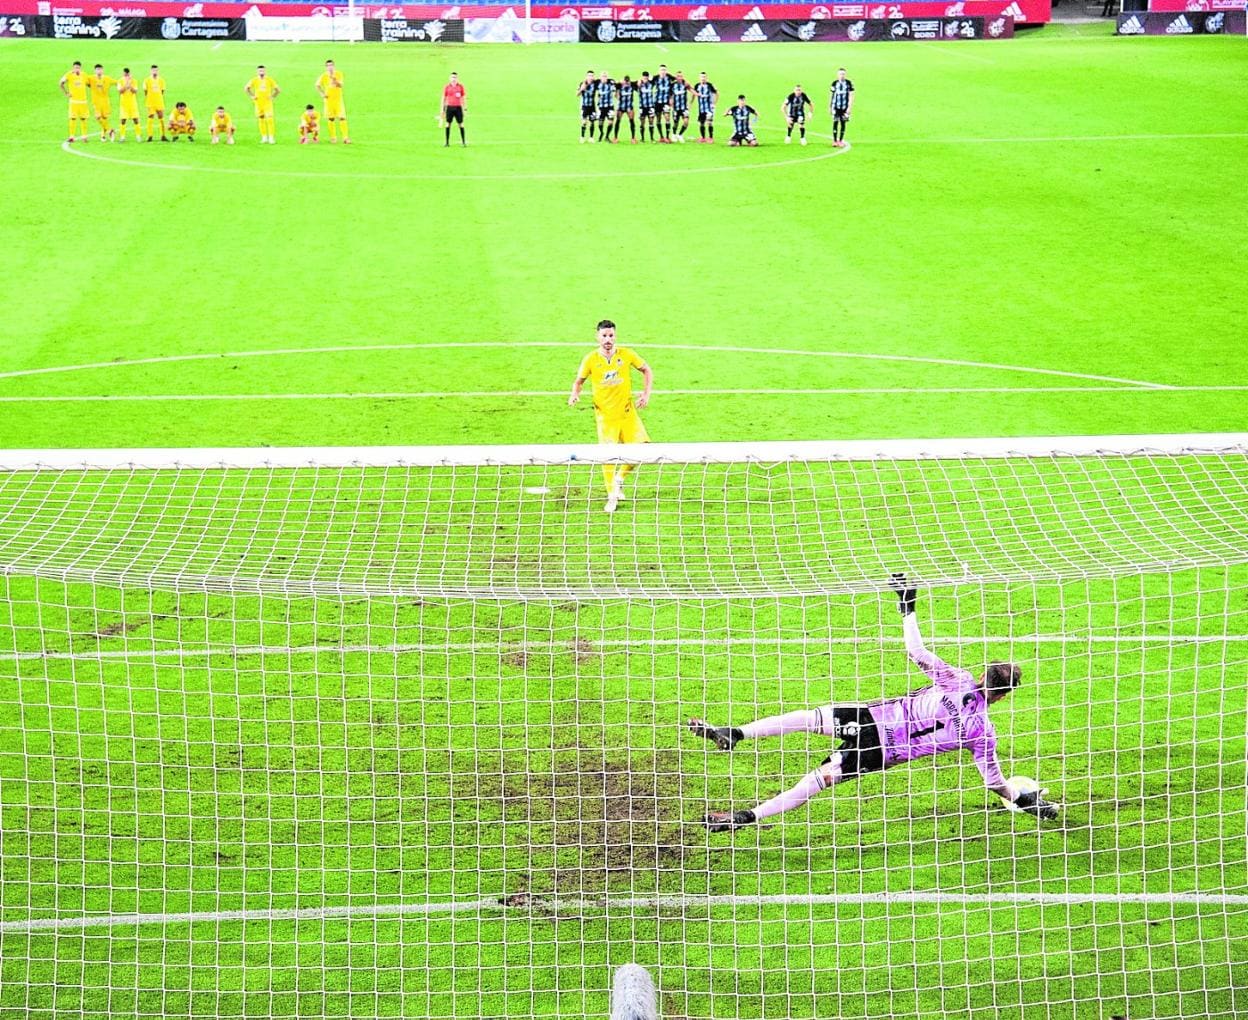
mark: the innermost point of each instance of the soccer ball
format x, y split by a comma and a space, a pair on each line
1020, 784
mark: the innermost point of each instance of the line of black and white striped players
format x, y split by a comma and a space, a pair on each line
662, 104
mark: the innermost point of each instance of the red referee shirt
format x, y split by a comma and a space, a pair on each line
453, 95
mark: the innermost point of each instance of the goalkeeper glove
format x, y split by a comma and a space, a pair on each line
906, 597
1035, 804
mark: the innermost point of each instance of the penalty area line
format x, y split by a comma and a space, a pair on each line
609, 904
848, 391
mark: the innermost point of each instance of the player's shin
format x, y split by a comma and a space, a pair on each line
803, 720
810, 784
342, 129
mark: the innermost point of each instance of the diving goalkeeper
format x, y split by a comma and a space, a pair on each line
950, 714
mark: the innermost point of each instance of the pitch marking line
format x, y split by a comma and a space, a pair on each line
785, 352
242, 651
371, 176
557, 904
522, 394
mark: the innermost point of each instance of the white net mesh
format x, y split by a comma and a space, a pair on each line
408, 741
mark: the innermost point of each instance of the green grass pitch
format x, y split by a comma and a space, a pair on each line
1034, 237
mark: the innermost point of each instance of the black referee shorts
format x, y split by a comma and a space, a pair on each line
454, 114
861, 749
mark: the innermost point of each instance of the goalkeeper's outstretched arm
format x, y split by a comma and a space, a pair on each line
907, 600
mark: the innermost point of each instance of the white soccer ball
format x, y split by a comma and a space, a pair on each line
1019, 785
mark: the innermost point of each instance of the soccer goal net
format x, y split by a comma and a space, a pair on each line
381, 733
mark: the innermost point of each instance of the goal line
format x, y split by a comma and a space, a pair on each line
504, 904
610, 644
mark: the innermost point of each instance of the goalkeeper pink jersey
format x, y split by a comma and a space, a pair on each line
949, 715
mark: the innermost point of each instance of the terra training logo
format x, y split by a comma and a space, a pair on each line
606, 31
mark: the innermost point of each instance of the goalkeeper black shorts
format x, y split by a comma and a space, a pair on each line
861, 749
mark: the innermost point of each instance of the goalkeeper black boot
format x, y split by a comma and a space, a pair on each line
726, 821
723, 737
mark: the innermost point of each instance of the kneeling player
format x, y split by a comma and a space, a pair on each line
950, 714
743, 116
222, 126
182, 122
309, 126
794, 110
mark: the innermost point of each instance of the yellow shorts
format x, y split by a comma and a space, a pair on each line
130, 110
264, 109
78, 108
156, 111
102, 109
626, 429
181, 127
335, 109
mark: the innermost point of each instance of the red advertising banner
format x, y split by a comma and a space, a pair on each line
1176, 6
1020, 11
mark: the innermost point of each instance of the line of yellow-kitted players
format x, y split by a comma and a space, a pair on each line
95, 89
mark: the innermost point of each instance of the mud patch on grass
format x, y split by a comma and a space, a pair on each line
582, 822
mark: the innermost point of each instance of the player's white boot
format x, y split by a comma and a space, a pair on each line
788, 139
803, 139
614, 497
216, 140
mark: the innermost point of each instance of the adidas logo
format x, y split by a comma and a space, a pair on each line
1132, 26
1179, 26
754, 34
754, 14
707, 34
1014, 11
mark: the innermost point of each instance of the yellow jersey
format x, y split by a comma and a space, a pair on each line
331, 85
99, 87
611, 380
154, 92
262, 89
222, 122
181, 116
128, 93
76, 85
310, 121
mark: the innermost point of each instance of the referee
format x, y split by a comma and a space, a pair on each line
453, 108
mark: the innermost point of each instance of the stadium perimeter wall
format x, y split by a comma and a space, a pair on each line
785, 22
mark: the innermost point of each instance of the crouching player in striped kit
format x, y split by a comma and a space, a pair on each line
609, 368
950, 714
